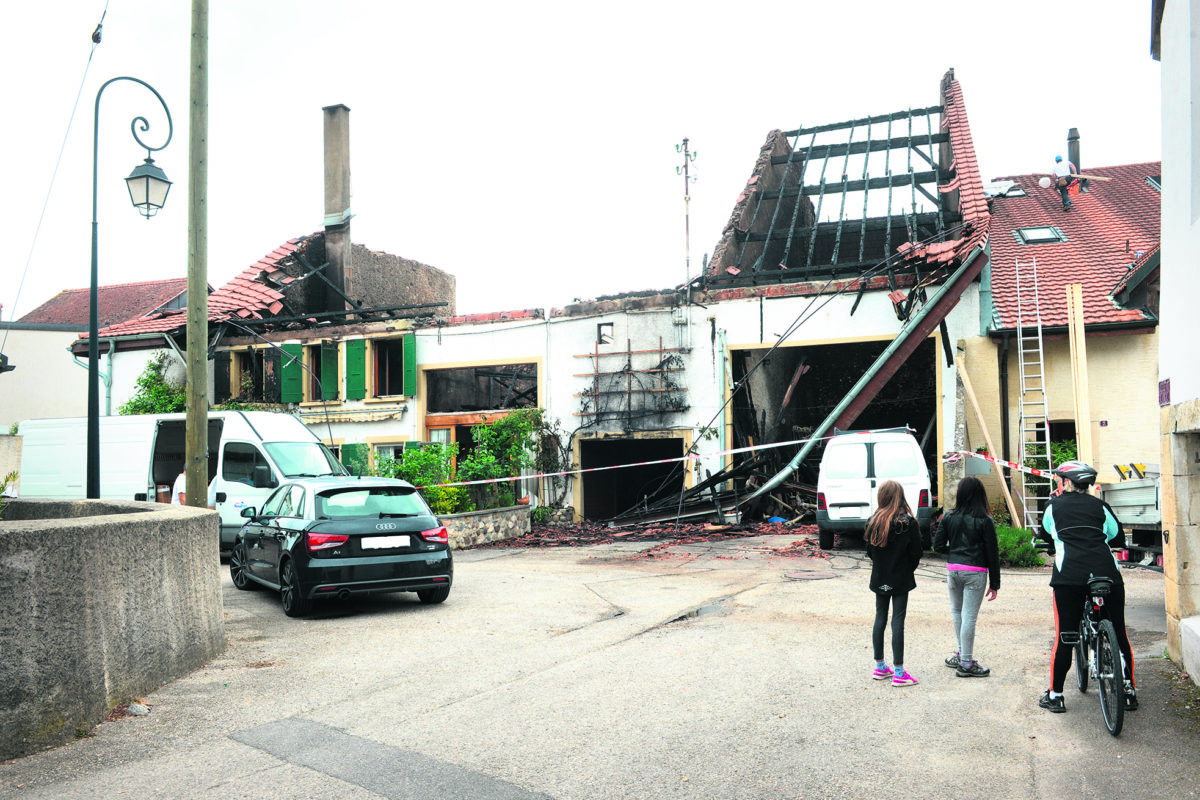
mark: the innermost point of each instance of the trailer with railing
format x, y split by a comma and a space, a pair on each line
1136, 500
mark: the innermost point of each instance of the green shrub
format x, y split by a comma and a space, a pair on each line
155, 394
428, 467
1016, 550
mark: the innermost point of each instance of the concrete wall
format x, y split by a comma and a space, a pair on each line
10, 459
103, 602
1180, 329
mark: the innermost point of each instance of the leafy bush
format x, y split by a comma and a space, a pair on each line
428, 467
155, 394
5, 482
1016, 550
503, 449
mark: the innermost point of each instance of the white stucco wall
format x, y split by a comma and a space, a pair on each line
46, 381
1181, 201
711, 333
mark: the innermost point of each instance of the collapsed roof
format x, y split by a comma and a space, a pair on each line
891, 194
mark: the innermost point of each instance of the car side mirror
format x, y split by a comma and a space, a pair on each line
249, 512
262, 478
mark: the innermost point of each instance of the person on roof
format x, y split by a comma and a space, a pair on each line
1080, 527
1064, 172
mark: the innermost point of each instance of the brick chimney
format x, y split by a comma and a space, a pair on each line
337, 204
1073, 154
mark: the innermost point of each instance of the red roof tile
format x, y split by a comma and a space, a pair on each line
243, 297
1109, 230
117, 303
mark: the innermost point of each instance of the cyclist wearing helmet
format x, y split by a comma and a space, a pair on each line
1079, 527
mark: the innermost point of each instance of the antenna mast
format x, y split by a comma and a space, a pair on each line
688, 157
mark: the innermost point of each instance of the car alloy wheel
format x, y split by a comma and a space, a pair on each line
237, 569
295, 604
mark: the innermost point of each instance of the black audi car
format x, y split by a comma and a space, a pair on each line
339, 536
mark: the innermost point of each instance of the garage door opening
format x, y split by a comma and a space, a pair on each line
611, 492
828, 373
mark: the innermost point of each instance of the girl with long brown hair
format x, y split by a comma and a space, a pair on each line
893, 540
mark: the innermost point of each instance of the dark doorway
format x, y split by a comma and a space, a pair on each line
611, 492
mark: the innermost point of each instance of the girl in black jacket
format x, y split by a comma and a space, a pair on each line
967, 537
893, 540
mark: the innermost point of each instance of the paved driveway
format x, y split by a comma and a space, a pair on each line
722, 670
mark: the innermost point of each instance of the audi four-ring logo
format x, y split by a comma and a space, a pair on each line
386, 526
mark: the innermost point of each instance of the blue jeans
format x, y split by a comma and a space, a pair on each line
966, 595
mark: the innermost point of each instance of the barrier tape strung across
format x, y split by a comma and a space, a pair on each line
693, 457
956, 455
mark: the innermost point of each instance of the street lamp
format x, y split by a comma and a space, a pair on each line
148, 187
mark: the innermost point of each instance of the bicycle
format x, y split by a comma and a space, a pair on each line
1098, 656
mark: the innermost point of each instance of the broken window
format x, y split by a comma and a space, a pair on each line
486, 388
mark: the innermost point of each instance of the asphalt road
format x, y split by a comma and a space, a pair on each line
722, 670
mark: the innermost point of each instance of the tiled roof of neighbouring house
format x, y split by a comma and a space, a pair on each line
115, 303
246, 296
1110, 230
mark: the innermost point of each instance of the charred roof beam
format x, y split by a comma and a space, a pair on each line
854, 123
931, 176
929, 218
824, 151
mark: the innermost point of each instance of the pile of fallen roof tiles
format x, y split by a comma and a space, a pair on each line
583, 534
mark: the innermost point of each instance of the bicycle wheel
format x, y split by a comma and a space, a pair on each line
1081, 657
1110, 677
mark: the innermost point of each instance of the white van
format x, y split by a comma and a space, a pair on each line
853, 466
249, 453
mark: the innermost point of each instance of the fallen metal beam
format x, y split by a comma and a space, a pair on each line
888, 362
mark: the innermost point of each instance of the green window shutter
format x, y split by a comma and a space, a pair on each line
291, 382
356, 369
329, 370
410, 365
354, 458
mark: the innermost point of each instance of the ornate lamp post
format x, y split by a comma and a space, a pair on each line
148, 187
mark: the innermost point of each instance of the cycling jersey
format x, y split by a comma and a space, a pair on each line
1081, 526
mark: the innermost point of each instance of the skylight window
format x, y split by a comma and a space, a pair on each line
1155, 181
1044, 234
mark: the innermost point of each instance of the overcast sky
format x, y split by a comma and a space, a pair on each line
528, 148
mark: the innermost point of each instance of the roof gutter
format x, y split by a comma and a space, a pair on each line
920, 325
1151, 321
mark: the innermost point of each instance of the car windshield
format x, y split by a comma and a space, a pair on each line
370, 501
304, 459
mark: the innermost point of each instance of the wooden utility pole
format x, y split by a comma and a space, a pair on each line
196, 446
1079, 374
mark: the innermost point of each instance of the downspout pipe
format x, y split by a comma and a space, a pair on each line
956, 284
1004, 449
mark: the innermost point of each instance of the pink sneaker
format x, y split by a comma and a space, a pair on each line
904, 679
882, 674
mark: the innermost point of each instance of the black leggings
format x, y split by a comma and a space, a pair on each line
899, 602
1068, 611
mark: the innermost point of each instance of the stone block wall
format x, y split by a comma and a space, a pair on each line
481, 527
104, 602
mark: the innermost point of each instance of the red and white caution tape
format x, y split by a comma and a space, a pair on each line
957, 455
691, 457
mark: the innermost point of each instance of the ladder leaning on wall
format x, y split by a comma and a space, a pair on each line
1033, 424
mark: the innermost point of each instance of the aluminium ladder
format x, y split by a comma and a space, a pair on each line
1033, 424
